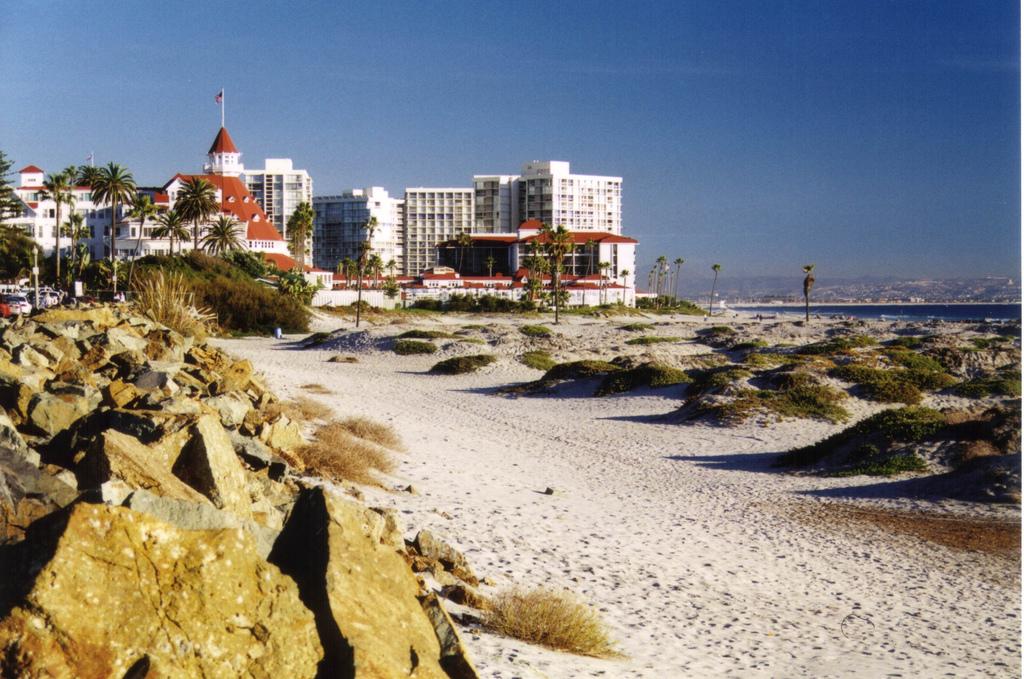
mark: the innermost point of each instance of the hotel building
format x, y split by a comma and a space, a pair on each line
340, 227
432, 216
279, 188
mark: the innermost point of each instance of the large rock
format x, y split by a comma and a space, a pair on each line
434, 549
120, 594
257, 455
119, 456
232, 407
26, 494
362, 593
9, 436
282, 435
209, 464
53, 413
454, 659
103, 316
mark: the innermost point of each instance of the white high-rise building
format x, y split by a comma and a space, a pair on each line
496, 199
279, 188
432, 216
550, 193
340, 227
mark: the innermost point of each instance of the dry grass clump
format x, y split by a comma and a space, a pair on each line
549, 618
302, 409
373, 431
338, 455
316, 389
169, 300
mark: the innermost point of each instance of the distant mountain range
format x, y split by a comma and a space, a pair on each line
994, 289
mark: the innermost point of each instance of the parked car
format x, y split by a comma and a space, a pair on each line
19, 304
5, 310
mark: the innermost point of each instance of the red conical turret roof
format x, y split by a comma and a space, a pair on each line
223, 143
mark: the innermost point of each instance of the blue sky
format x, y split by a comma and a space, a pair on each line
868, 137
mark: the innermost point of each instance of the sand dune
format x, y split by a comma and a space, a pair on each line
702, 559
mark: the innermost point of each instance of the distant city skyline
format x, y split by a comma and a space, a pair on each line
871, 138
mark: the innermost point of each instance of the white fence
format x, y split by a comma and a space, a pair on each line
374, 298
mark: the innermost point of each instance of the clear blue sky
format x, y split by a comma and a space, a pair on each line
869, 137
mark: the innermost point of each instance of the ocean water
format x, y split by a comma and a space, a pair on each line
902, 312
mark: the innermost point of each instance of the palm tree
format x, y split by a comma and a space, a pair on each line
300, 227
808, 284
679, 261
464, 241
364, 253
346, 267
222, 236
58, 188
75, 230
590, 256
375, 265
716, 268
490, 262
558, 243
197, 202
603, 268
114, 185
142, 210
87, 175
625, 278
171, 225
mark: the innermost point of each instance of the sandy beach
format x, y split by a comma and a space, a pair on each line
702, 559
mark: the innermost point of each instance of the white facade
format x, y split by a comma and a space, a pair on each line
340, 227
279, 188
550, 193
432, 216
496, 199
39, 218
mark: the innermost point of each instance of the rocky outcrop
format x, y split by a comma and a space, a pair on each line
152, 523
119, 590
358, 589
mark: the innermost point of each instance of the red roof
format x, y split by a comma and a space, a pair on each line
246, 211
222, 143
581, 238
30, 168
283, 262
532, 224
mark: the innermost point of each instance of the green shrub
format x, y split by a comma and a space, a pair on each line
913, 360
651, 339
717, 331
837, 345
885, 386
899, 425
425, 334
241, 304
906, 342
576, 370
471, 340
460, 365
716, 378
646, 375
982, 387
881, 465
988, 342
535, 330
767, 359
538, 360
814, 401
750, 345
637, 327
407, 347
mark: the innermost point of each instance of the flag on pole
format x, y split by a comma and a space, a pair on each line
219, 98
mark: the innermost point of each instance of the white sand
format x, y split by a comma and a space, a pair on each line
679, 535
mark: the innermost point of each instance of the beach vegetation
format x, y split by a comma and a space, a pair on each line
577, 370
550, 618
750, 345
169, 300
883, 430
300, 409
768, 359
651, 339
373, 431
339, 455
425, 334
665, 304
983, 343
535, 330
637, 327
471, 340
408, 347
342, 358
460, 365
707, 379
646, 375
316, 388
717, 331
240, 303
837, 345
538, 360
1005, 383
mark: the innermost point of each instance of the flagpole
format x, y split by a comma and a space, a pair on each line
222, 107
